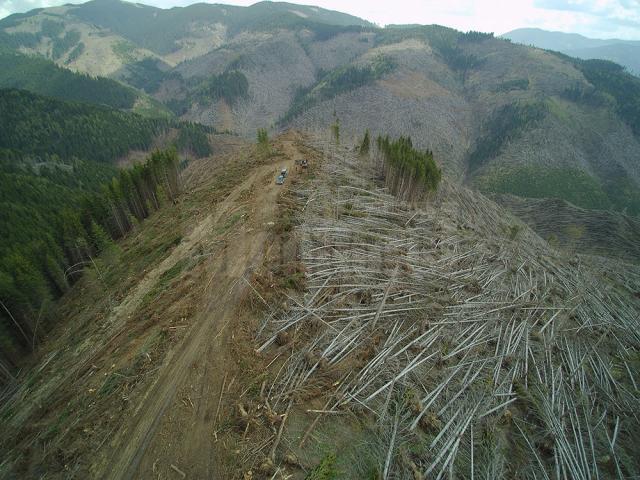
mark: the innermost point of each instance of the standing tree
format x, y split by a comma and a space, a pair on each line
335, 130
263, 142
366, 144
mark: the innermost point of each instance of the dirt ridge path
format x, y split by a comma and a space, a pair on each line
130, 458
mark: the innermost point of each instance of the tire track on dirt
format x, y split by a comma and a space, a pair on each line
232, 263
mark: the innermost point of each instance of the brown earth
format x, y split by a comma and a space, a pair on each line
174, 426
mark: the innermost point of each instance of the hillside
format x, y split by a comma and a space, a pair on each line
103, 37
46, 78
448, 287
327, 329
62, 196
624, 52
499, 116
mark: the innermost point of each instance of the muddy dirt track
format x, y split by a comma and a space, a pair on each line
164, 439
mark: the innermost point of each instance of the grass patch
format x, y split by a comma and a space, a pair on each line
229, 223
167, 278
124, 51
569, 184
326, 470
150, 107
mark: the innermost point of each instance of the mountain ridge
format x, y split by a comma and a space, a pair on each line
624, 52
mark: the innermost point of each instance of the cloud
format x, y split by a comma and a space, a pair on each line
601, 17
14, 6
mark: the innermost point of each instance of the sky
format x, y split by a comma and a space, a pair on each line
592, 18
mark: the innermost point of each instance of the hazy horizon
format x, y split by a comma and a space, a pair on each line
603, 19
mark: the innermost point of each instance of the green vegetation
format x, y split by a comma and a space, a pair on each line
335, 131
504, 125
124, 51
510, 85
366, 144
336, 82
612, 79
160, 30
48, 29
38, 126
409, 173
62, 45
263, 142
51, 28
193, 138
55, 218
572, 185
146, 75
326, 470
229, 86
609, 79
446, 42
473, 36
431, 34
576, 186
11, 42
77, 51
62, 201
46, 78
584, 94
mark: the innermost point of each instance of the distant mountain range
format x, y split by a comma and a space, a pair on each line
503, 117
624, 52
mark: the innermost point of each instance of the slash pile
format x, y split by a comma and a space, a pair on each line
473, 348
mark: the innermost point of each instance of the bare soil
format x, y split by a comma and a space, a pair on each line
174, 427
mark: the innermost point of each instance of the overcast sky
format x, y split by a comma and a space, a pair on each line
593, 18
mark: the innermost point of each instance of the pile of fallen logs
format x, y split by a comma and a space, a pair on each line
469, 341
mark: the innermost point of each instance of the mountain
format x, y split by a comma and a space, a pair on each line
624, 52
325, 329
449, 286
102, 36
502, 117
61, 194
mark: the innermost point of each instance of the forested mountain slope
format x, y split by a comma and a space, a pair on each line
502, 117
62, 198
44, 77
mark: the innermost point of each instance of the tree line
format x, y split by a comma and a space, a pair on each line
44, 77
39, 126
56, 221
409, 173
337, 82
58, 209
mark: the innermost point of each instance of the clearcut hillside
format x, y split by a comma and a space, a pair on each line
501, 117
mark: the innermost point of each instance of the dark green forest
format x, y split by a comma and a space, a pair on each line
55, 218
46, 78
62, 201
230, 86
611, 78
409, 173
147, 75
39, 126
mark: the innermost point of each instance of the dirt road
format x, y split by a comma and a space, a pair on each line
172, 431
